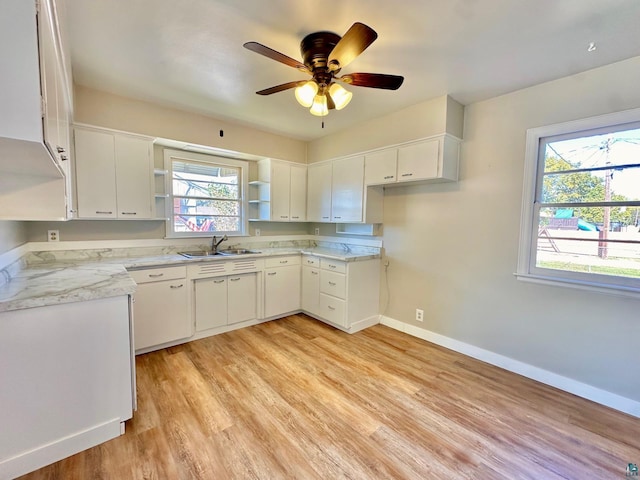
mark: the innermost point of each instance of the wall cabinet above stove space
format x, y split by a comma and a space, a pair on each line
114, 174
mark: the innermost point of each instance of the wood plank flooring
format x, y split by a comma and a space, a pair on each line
296, 399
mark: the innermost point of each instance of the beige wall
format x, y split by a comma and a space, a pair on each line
111, 111
12, 235
453, 247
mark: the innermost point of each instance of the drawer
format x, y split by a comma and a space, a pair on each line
333, 309
282, 261
158, 274
333, 283
309, 261
333, 265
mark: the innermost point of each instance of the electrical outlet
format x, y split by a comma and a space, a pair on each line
419, 314
53, 235
316, 231
257, 232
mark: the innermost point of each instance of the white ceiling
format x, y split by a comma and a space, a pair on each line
188, 54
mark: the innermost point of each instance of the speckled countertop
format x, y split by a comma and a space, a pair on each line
50, 278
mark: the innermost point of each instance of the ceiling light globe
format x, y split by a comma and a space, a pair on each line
319, 107
306, 93
340, 96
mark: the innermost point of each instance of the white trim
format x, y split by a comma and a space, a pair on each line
603, 397
65, 447
607, 289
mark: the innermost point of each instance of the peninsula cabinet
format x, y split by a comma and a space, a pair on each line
347, 293
114, 174
429, 160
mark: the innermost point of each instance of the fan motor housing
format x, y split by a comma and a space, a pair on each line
316, 47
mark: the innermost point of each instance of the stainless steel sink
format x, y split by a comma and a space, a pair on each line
201, 253
236, 251
198, 253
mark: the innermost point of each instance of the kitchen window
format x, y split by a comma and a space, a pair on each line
206, 194
581, 206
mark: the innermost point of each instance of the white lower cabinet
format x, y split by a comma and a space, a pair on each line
281, 285
221, 301
161, 306
344, 294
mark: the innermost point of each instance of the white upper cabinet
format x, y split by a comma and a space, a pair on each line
347, 190
319, 192
280, 192
114, 174
430, 160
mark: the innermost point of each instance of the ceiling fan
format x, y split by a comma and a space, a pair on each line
324, 54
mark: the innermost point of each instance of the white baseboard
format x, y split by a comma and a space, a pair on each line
366, 323
570, 385
57, 450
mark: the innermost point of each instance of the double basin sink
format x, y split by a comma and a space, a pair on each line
225, 253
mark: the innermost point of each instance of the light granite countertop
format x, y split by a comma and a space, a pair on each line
50, 278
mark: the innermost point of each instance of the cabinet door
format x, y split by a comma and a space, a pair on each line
298, 198
281, 290
280, 191
160, 313
418, 161
347, 190
311, 290
242, 297
319, 192
134, 175
210, 302
381, 167
95, 174
49, 75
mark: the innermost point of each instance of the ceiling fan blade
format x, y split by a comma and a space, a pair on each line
277, 56
373, 80
280, 88
352, 44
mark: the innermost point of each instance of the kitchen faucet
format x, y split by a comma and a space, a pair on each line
214, 243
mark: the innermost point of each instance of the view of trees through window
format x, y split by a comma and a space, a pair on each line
588, 203
206, 197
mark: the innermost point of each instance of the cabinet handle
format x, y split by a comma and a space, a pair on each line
218, 281
284, 216
337, 217
332, 266
271, 273
295, 217
99, 212
59, 149
310, 261
176, 286
156, 275
129, 213
324, 217
330, 307
333, 284
313, 272
234, 279
407, 174
284, 261
389, 177
64, 158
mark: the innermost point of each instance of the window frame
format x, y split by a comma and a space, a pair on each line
529, 219
209, 160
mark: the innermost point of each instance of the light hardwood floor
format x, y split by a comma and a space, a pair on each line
296, 399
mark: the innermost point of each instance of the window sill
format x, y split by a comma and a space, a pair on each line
615, 290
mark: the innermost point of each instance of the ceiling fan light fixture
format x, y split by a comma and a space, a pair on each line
306, 93
340, 96
319, 107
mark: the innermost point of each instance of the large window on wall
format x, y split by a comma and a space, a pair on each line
581, 205
206, 194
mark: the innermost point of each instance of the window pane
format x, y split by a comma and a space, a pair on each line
205, 207
189, 187
575, 240
199, 223
202, 180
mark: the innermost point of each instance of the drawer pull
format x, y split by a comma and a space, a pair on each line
129, 213
176, 286
313, 272
332, 266
218, 281
407, 174
330, 307
324, 218
295, 217
234, 279
284, 216
101, 212
310, 261
389, 177
284, 261
156, 275
333, 284
271, 273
